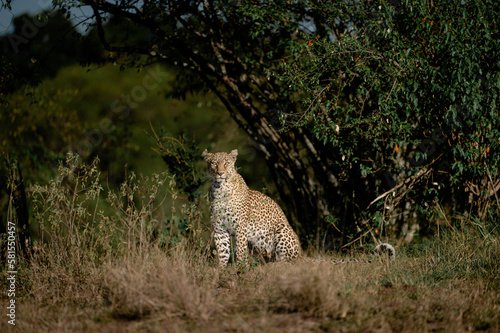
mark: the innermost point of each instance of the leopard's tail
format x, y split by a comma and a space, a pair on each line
347, 261
385, 249
381, 250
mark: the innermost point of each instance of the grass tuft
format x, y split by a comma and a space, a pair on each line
158, 284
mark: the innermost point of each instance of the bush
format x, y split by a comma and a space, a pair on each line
404, 96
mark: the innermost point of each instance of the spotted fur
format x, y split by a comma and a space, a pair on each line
252, 217
380, 251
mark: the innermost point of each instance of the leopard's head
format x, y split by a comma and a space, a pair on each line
220, 165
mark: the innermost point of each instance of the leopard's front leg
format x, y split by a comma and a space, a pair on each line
222, 240
241, 244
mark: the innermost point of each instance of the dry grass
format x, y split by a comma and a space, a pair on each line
183, 291
112, 281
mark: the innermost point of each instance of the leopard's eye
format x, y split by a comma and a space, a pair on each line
226, 164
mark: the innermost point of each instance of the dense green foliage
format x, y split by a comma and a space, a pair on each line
422, 77
349, 100
372, 116
39, 46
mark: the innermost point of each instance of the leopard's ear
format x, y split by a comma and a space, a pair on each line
205, 154
234, 153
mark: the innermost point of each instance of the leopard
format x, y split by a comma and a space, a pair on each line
252, 218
